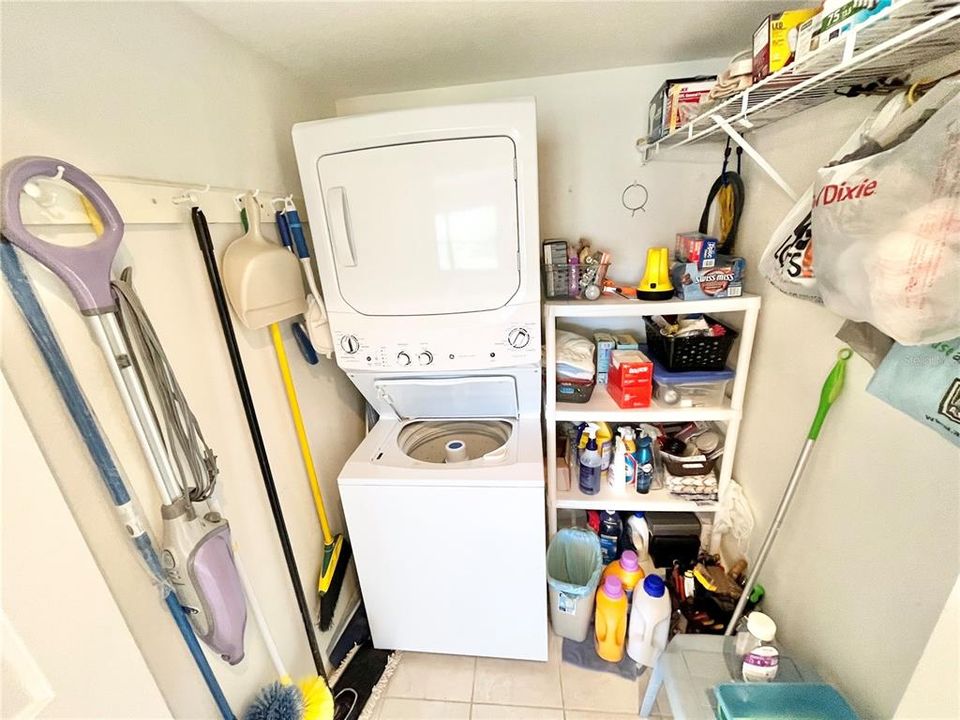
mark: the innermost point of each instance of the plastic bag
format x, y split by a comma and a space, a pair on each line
787, 261
574, 562
923, 381
887, 233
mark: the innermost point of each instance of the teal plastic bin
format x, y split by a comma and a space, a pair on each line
781, 701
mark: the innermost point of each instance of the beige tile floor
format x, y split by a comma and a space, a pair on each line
447, 687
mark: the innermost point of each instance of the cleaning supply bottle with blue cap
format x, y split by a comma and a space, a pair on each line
649, 621
590, 461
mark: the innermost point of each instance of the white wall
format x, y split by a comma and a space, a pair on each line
39, 533
868, 555
149, 90
934, 689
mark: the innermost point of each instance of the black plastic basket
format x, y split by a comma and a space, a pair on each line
679, 354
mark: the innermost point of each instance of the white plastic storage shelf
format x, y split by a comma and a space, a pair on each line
602, 407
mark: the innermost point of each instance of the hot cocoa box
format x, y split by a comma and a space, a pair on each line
725, 279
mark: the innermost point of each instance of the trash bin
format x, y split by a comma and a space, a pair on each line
573, 573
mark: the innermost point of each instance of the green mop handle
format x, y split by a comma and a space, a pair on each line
830, 392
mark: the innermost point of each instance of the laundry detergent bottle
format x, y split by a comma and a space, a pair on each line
590, 463
610, 623
649, 621
627, 568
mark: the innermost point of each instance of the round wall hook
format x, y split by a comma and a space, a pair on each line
634, 197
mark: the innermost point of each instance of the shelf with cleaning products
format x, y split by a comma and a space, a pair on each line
602, 407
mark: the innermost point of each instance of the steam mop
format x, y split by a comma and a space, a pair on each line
197, 555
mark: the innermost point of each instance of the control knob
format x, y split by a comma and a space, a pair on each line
403, 358
350, 344
425, 358
519, 338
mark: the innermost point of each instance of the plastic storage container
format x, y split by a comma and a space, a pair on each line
570, 281
681, 354
789, 701
706, 388
574, 391
573, 573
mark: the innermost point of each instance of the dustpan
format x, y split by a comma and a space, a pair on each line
262, 279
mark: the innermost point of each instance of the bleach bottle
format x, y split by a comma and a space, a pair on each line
590, 463
649, 621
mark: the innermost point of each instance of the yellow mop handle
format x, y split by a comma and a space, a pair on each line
301, 432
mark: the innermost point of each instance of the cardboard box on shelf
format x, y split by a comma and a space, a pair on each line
630, 383
697, 248
839, 17
725, 279
605, 343
775, 41
671, 104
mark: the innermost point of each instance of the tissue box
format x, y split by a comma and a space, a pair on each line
605, 343
631, 379
771, 41
696, 248
725, 279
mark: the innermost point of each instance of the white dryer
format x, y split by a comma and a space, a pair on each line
426, 236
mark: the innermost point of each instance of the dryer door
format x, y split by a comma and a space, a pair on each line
424, 228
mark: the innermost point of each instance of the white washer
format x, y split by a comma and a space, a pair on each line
426, 237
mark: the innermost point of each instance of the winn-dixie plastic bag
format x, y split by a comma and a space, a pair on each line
923, 381
787, 261
887, 233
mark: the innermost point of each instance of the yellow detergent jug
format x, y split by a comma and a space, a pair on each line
627, 568
605, 446
610, 623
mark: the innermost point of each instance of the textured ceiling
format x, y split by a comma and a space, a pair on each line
344, 49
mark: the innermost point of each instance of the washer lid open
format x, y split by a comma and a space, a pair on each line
456, 397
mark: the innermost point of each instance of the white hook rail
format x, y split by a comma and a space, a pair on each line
140, 201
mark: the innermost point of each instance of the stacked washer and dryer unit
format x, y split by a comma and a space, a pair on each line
426, 237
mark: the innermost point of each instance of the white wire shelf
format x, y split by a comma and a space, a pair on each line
891, 44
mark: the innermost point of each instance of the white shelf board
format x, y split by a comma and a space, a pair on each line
617, 306
628, 500
892, 44
601, 406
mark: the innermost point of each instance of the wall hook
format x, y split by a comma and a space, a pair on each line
59, 175
190, 196
637, 200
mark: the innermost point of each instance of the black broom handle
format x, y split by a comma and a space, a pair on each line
216, 286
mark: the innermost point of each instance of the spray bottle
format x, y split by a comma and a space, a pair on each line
630, 460
618, 476
644, 465
590, 463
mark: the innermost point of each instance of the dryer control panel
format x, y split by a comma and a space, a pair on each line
438, 348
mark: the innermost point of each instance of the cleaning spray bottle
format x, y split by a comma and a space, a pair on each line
630, 460
644, 465
618, 470
590, 463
